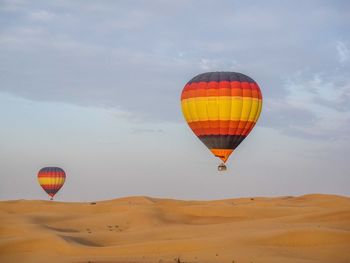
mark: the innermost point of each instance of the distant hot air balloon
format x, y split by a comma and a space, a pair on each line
221, 108
51, 179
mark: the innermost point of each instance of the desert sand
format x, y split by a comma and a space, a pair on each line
309, 228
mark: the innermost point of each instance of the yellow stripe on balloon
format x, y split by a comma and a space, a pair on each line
51, 180
221, 108
255, 113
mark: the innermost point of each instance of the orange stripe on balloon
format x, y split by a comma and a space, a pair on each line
221, 127
51, 186
223, 88
51, 174
223, 154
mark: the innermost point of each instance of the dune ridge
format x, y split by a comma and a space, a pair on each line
309, 228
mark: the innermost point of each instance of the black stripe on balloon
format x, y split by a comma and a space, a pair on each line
51, 169
222, 141
221, 76
52, 191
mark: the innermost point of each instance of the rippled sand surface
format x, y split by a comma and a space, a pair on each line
309, 229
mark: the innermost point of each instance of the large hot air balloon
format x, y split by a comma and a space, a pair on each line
221, 108
51, 179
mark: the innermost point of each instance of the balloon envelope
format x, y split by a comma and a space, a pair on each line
51, 179
221, 108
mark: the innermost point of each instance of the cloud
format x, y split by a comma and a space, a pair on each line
139, 60
343, 51
316, 107
213, 64
41, 15
146, 130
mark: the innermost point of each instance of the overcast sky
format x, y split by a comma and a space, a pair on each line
94, 87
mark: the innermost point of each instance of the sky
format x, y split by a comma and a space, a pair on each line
94, 87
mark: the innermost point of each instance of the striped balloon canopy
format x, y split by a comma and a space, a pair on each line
221, 108
51, 179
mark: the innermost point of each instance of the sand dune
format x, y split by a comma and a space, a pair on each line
310, 228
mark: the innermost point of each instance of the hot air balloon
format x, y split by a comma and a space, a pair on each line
51, 179
221, 108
